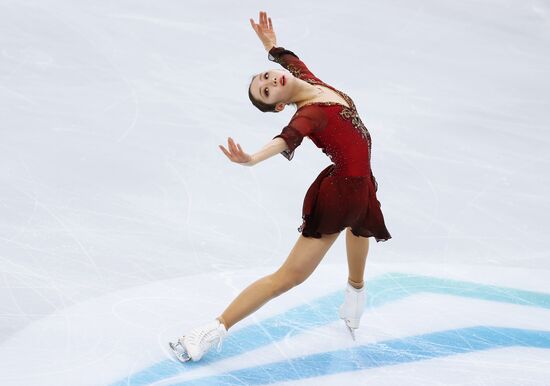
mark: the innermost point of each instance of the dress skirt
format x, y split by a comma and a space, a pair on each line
333, 203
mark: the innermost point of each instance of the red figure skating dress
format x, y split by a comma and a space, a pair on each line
344, 193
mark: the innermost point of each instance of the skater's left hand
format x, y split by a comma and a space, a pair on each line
236, 153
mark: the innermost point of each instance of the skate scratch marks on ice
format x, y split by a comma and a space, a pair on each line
383, 290
386, 353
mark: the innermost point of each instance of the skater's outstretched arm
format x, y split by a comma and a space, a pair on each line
236, 154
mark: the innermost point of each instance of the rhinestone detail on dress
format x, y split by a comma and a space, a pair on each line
348, 113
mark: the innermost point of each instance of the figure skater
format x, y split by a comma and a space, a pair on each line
343, 196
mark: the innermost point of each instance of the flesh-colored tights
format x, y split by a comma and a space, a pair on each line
304, 257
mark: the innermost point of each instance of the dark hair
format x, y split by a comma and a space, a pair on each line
264, 107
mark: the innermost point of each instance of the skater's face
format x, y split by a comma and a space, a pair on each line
273, 87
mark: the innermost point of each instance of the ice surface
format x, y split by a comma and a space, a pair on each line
122, 224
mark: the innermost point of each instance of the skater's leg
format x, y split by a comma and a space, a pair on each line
300, 263
357, 248
350, 311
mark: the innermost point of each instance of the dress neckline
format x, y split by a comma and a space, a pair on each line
329, 103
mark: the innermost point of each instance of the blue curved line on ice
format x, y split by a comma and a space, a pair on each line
382, 290
393, 352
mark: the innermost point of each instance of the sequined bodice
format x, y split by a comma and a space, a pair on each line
344, 139
343, 136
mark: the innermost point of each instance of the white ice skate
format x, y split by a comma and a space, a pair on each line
352, 308
197, 343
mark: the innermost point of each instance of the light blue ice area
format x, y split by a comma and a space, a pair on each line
122, 225
320, 311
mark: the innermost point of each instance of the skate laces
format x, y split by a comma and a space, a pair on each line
206, 336
354, 300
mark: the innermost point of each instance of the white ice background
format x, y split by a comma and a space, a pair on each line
122, 224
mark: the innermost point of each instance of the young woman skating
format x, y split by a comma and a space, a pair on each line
343, 196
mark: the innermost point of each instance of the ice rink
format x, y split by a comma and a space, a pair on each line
123, 225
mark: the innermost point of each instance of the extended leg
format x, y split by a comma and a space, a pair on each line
301, 262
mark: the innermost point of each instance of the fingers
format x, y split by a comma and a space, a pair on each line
225, 151
232, 146
256, 26
234, 151
263, 20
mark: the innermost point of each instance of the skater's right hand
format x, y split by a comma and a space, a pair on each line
236, 153
264, 30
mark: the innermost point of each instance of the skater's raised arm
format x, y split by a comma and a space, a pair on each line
286, 58
264, 30
237, 155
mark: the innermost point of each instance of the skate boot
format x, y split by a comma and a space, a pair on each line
197, 343
352, 308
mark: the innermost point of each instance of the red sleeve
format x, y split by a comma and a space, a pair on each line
291, 62
303, 123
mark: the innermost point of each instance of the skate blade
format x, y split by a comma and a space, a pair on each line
351, 331
179, 351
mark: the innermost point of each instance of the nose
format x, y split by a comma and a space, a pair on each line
273, 81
